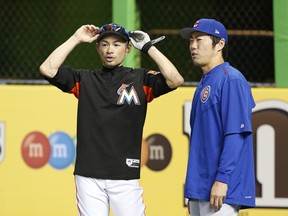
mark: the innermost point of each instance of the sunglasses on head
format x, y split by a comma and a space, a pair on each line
113, 28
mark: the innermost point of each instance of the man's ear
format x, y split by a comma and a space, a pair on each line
97, 47
221, 44
128, 48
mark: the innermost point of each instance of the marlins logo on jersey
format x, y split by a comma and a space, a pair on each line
127, 95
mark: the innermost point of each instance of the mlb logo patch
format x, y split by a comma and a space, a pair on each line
205, 93
135, 163
196, 24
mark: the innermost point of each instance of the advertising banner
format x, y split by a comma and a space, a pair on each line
38, 148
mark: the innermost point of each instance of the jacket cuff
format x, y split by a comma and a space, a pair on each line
223, 177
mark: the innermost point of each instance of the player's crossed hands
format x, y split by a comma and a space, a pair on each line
87, 33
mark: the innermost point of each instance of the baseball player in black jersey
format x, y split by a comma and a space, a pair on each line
112, 104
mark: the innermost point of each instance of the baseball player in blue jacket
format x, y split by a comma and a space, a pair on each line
220, 176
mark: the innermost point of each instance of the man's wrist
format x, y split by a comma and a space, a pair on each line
75, 39
146, 47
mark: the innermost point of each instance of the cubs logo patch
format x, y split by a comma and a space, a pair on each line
205, 93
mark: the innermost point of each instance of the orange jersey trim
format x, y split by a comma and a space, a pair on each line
149, 93
76, 89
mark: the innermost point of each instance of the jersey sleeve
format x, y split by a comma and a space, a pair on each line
154, 85
66, 79
233, 144
236, 106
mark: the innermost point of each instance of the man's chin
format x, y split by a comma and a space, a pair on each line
111, 65
196, 63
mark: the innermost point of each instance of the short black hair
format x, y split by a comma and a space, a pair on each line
215, 40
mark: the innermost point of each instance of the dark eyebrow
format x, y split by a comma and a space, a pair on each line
116, 41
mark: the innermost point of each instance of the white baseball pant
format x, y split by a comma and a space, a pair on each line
95, 196
202, 208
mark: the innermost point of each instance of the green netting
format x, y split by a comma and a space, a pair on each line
250, 50
32, 29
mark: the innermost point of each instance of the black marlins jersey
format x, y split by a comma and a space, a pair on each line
112, 106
